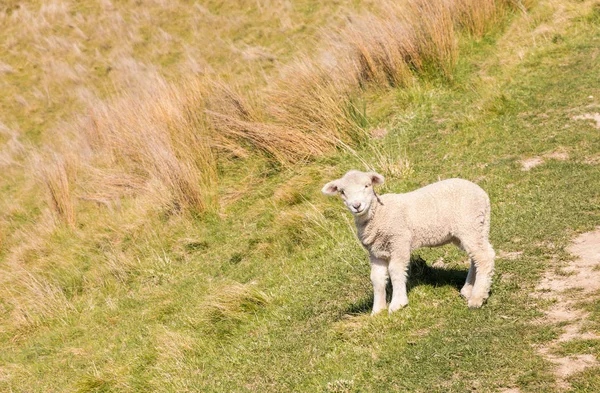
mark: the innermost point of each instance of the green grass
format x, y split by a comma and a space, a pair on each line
273, 293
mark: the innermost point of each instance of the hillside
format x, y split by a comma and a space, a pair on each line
161, 222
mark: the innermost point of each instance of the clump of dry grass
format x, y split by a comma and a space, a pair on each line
285, 144
383, 51
54, 173
12, 149
476, 17
436, 39
316, 100
238, 124
391, 161
173, 135
410, 36
231, 302
158, 134
34, 298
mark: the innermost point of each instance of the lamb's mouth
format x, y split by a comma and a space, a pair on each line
359, 212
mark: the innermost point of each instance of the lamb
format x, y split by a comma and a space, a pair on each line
391, 226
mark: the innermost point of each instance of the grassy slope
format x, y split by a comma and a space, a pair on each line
145, 303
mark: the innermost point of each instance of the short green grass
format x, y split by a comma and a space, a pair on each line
273, 293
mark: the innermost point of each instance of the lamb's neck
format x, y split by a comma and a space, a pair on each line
365, 223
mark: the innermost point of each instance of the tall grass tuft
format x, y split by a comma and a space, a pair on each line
476, 17
384, 51
436, 39
54, 173
237, 124
403, 41
156, 135
316, 99
230, 304
34, 298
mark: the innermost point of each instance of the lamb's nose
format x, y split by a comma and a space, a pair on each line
356, 205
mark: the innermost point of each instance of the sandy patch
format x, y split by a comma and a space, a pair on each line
529, 163
581, 274
558, 155
510, 255
576, 282
589, 116
569, 365
593, 160
507, 277
439, 264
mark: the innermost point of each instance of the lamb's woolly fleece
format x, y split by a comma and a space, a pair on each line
431, 216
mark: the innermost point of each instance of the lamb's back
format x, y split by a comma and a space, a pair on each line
436, 212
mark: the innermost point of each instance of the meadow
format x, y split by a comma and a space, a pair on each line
161, 221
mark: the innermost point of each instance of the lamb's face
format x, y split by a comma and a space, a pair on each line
356, 190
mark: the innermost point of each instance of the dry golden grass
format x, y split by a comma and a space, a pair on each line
58, 52
157, 134
231, 302
163, 136
167, 136
395, 46
30, 295
316, 100
54, 173
34, 297
390, 160
404, 37
12, 148
477, 16
237, 124
436, 38
173, 134
383, 51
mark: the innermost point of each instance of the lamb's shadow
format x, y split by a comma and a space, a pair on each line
419, 274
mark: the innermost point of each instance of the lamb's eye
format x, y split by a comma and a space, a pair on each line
366, 186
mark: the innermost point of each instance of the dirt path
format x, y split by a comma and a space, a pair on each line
575, 283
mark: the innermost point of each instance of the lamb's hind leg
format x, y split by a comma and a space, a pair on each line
467, 289
483, 259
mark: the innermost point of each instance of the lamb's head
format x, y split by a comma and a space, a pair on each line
356, 189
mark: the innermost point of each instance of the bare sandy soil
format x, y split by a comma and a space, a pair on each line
570, 285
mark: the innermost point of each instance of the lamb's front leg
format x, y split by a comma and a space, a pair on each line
379, 276
398, 269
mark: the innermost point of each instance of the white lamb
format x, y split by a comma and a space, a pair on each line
391, 226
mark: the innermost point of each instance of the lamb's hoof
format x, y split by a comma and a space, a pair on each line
396, 307
475, 302
466, 291
375, 312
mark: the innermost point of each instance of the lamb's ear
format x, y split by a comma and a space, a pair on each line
331, 188
376, 178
